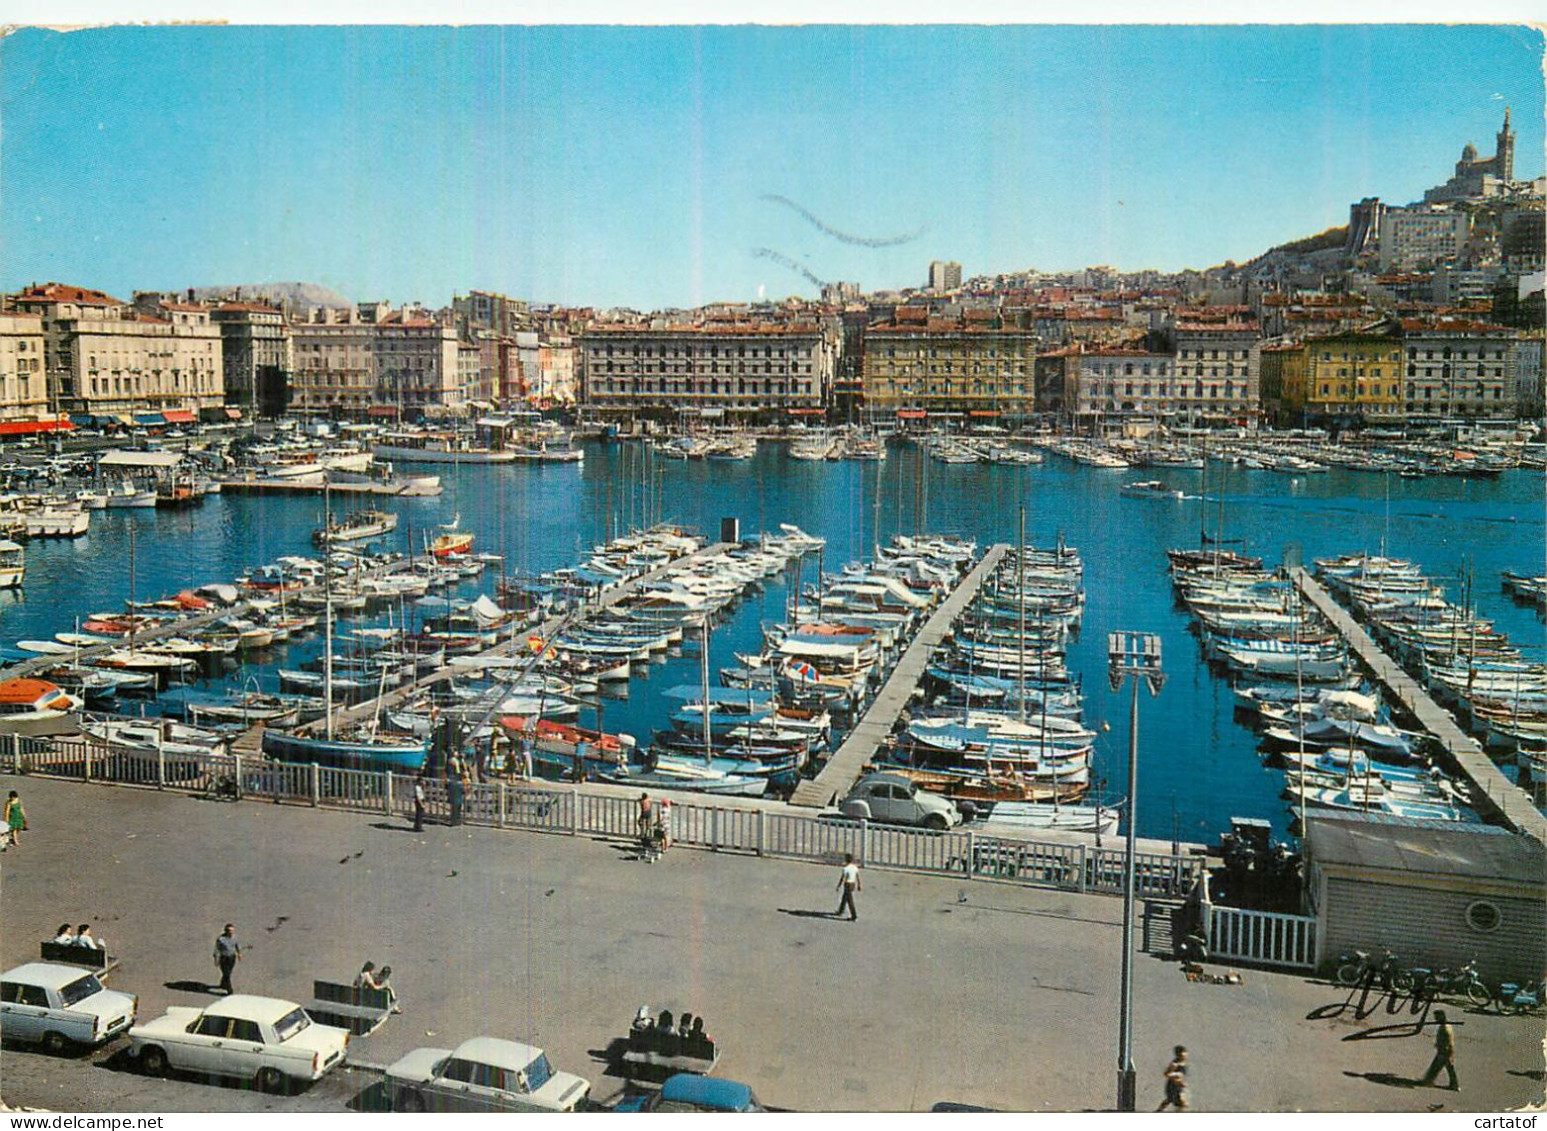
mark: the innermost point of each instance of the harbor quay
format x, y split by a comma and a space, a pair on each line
945, 991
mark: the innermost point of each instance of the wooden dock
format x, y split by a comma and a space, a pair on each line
509, 647
1492, 788
843, 768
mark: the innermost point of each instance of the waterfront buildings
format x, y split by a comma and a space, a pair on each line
379, 362
1346, 378
23, 383
1217, 365
732, 365
106, 357
920, 366
1129, 382
256, 349
1457, 367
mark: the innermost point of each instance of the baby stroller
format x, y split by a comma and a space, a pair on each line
652, 842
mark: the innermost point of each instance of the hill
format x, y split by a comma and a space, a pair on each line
297, 296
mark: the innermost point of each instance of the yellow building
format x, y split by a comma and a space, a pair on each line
1358, 373
919, 365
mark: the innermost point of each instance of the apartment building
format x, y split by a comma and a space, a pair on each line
23, 381
104, 357
1458, 368
1217, 367
731, 365
918, 365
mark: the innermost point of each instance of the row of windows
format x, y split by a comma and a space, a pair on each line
711, 351
690, 368
199, 384
1498, 354
1216, 355
697, 388
1445, 371
1199, 389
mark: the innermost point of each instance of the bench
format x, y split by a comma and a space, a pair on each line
678, 1053
93, 958
347, 1006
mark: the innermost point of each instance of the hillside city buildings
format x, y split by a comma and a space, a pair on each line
1425, 313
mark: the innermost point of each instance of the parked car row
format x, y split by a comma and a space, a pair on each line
276, 1045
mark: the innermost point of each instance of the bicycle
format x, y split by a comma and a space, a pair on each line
1355, 969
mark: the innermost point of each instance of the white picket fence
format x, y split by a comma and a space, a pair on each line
575, 810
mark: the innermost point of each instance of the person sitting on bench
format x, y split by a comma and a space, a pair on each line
83, 938
65, 937
369, 979
685, 1026
699, 1042
643, 1022
664, 1039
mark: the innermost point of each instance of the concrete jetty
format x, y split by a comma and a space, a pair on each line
1491, 786
608, 597
843, 768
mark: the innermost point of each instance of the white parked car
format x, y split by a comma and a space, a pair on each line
58, 1005
265, 1039
483, 1074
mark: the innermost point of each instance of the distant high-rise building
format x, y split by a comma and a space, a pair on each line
944, 276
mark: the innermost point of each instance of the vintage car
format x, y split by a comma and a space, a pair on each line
59, 1006
895, 800
482, 1074
265, 1039
691, 1092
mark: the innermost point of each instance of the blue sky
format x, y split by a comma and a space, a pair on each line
632, 165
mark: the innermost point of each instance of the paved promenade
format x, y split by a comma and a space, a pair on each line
945, 991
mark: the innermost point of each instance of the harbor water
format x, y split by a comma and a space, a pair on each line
1198, 766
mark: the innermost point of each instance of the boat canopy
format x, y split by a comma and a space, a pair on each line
154, 460
845, 652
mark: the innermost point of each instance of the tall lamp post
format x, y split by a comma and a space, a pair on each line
1136, 655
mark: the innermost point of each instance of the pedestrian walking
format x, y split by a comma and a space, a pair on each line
456, 788
526, 757
1444, 1053
645, 822
15, 821
848, 884
665, 821
1176, 1082
228, 952
419, 800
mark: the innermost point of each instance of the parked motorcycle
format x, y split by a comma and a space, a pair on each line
1445, 982
1514, 997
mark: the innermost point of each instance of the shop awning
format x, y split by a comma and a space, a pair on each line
382, 410
984, 412
233, 414
494, 422
82, 419
33, 427
178, 416
806, 411
911, 414
149, 419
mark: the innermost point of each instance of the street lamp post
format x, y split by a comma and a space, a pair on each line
1135, 655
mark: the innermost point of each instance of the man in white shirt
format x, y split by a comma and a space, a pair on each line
848, 884
83, 937
419, 800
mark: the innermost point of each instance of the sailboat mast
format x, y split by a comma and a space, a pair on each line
703, 664
1020, 600
327, 618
